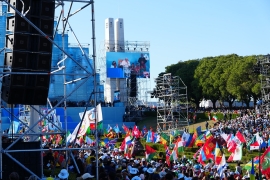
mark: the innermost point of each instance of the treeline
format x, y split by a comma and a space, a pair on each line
221, 78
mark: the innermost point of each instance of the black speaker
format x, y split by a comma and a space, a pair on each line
133, 85
31, 53
31, 160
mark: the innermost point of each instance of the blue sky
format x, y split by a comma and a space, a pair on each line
182, 29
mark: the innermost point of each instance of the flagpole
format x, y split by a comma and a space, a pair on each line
260, 173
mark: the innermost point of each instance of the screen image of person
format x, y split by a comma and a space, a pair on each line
142, 61
114, 65
116, 96
126, 67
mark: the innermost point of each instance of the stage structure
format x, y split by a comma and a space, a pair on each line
172, 109
263, 68
38, 20
119, 62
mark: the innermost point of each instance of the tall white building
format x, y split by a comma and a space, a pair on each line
119, 36
109, 34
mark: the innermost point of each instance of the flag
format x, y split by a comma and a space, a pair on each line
149, 137
200, 140
252, 171
179, 147
199, 130
249, 164
265, 162
125, 142
109, 128
208, 148
149, 152
165, 136
168, 154
88, 140
240, 137
173, 156
189, 141
162, 140
214, 118
111, 142
136, 132
218, 154
208, 135
185, 137
254, 146
125, 129
91, 114
236, 155
222, 166
116, 128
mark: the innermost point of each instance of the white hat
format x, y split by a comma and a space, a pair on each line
133, 171
87, 175
143, 159
136, 178
63, 174
131, 158
150, 170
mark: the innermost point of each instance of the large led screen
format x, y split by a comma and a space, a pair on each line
123, 64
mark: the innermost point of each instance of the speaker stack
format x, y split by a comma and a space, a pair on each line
29, 54
133, 85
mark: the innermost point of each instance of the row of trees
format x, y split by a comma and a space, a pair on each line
221, 78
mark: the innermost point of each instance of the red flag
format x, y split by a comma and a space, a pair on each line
231, 145
168, 154
125, 129
136, 132
240, 137
208, 148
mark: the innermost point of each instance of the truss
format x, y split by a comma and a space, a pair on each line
264, 64
36, 112
172, 108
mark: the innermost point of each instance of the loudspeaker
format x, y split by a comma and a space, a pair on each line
31, 53
31, 160
133, 85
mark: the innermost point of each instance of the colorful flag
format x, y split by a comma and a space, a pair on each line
208, 135
111, 142
189, 141
218, 154
222, 166
236, 155
240, 137
265, 162
125, 129
249, 164
162, 140
136, 132
88, 140
168, 154
214, 118
149, 152
200, 140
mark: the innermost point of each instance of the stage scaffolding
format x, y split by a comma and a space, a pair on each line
172, 109
263, 65
32, 130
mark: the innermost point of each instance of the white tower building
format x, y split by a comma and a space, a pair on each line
109, 34
119, 35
